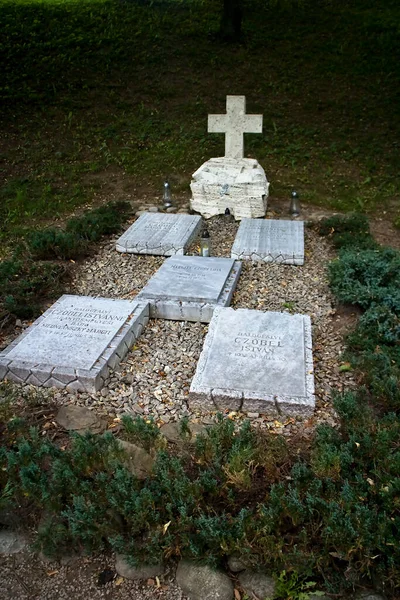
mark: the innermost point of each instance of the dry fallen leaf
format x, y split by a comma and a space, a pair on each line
50, 573
151, 582
237, 594
166, 527
119, 580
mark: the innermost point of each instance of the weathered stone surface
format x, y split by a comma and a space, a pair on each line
270, 240
139, 462
235, 564
188, 288
124, 569
234, 124
75, 342
240, 185
11, 542
255, 361
159, 233
259, 584
171, 431
201, 582
79, 419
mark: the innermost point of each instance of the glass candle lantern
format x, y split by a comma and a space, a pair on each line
167, 198
294, 208
205, 244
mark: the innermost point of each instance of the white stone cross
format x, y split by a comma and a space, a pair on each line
234, 124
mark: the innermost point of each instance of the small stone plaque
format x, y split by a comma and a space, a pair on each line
256, 361
188, 288
270, 240
74, 343
159, 233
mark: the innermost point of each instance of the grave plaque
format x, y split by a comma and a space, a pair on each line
270, 240
256, 361
188, 288
75, 343
162, 234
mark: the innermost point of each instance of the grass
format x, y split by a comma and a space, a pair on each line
107, 96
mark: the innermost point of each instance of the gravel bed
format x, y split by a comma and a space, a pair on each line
24, 576
155, 377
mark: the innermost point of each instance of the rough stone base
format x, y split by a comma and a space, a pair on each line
240, 185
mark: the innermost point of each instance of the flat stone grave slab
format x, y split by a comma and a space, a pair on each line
188, 288
270, 240
159, 233
74, 343
256, 361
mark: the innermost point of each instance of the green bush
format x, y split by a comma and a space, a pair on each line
364, 277
374, 349
55, 243
350, 231
139, 431
331, 514
100, 221
370, 278
25, 284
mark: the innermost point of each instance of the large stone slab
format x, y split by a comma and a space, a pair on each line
240, 185
188, 288
159, 233
256, 361
270, 240
74, 343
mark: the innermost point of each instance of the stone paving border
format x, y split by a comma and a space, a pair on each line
73, 377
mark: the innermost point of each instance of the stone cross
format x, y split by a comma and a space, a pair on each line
234, 124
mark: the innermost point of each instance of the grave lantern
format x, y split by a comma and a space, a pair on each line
294, 208
167, 198
205, 244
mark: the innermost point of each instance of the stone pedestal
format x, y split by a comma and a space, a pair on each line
237, 184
